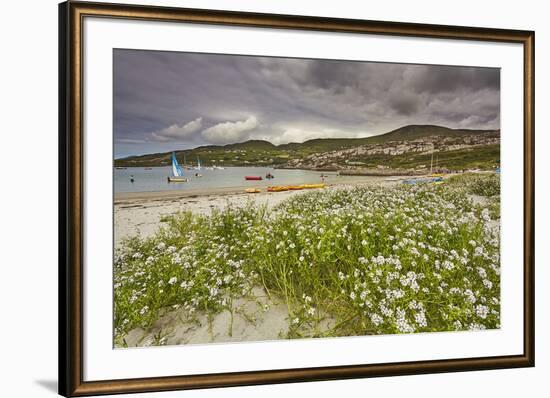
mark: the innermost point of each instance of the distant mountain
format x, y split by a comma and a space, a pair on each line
264, 153
414, 131
253, 145
454, 151
405, 133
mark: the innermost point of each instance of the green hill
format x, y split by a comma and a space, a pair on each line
264, 153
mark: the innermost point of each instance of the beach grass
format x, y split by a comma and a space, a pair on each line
351, 261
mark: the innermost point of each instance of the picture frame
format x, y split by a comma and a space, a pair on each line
73, 244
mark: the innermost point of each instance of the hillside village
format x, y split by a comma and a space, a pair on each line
407, 150
367, 155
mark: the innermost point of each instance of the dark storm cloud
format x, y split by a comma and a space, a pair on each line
165, 100
404, 104
444, 79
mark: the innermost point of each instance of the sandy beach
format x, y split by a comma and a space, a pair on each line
140, 213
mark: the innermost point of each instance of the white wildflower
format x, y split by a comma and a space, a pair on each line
376, 319
482, 311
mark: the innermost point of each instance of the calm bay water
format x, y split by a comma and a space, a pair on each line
156, 178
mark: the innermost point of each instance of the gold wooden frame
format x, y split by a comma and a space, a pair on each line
71, 15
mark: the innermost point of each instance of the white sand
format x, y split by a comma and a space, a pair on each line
143, 216
256, 319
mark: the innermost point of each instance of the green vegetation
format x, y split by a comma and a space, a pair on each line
485, 157
263, 153
486, 186
478, 184
374, 260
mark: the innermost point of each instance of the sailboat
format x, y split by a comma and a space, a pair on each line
432, 174
177, 172
198, 164
197, 175
435, 178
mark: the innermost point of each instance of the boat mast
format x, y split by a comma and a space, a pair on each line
432, 162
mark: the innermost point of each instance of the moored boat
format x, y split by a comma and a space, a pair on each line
198, 164
176, 179
177, 171
253, 178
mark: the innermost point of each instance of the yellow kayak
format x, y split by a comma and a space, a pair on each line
313, 186
252, 190
281, 188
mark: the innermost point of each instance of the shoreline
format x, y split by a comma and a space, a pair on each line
141, 213
130, 197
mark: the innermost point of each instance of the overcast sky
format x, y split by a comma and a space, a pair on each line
168, 100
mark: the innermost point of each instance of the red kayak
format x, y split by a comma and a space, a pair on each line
253, 178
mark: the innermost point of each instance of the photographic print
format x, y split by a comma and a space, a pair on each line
265, 198
261, 209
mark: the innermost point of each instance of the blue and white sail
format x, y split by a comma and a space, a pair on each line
177, 171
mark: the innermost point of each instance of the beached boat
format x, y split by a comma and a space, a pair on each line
313, 186
277, 189
282, 188
253, 178
424, 180
177, 171
393, 179
252, 190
